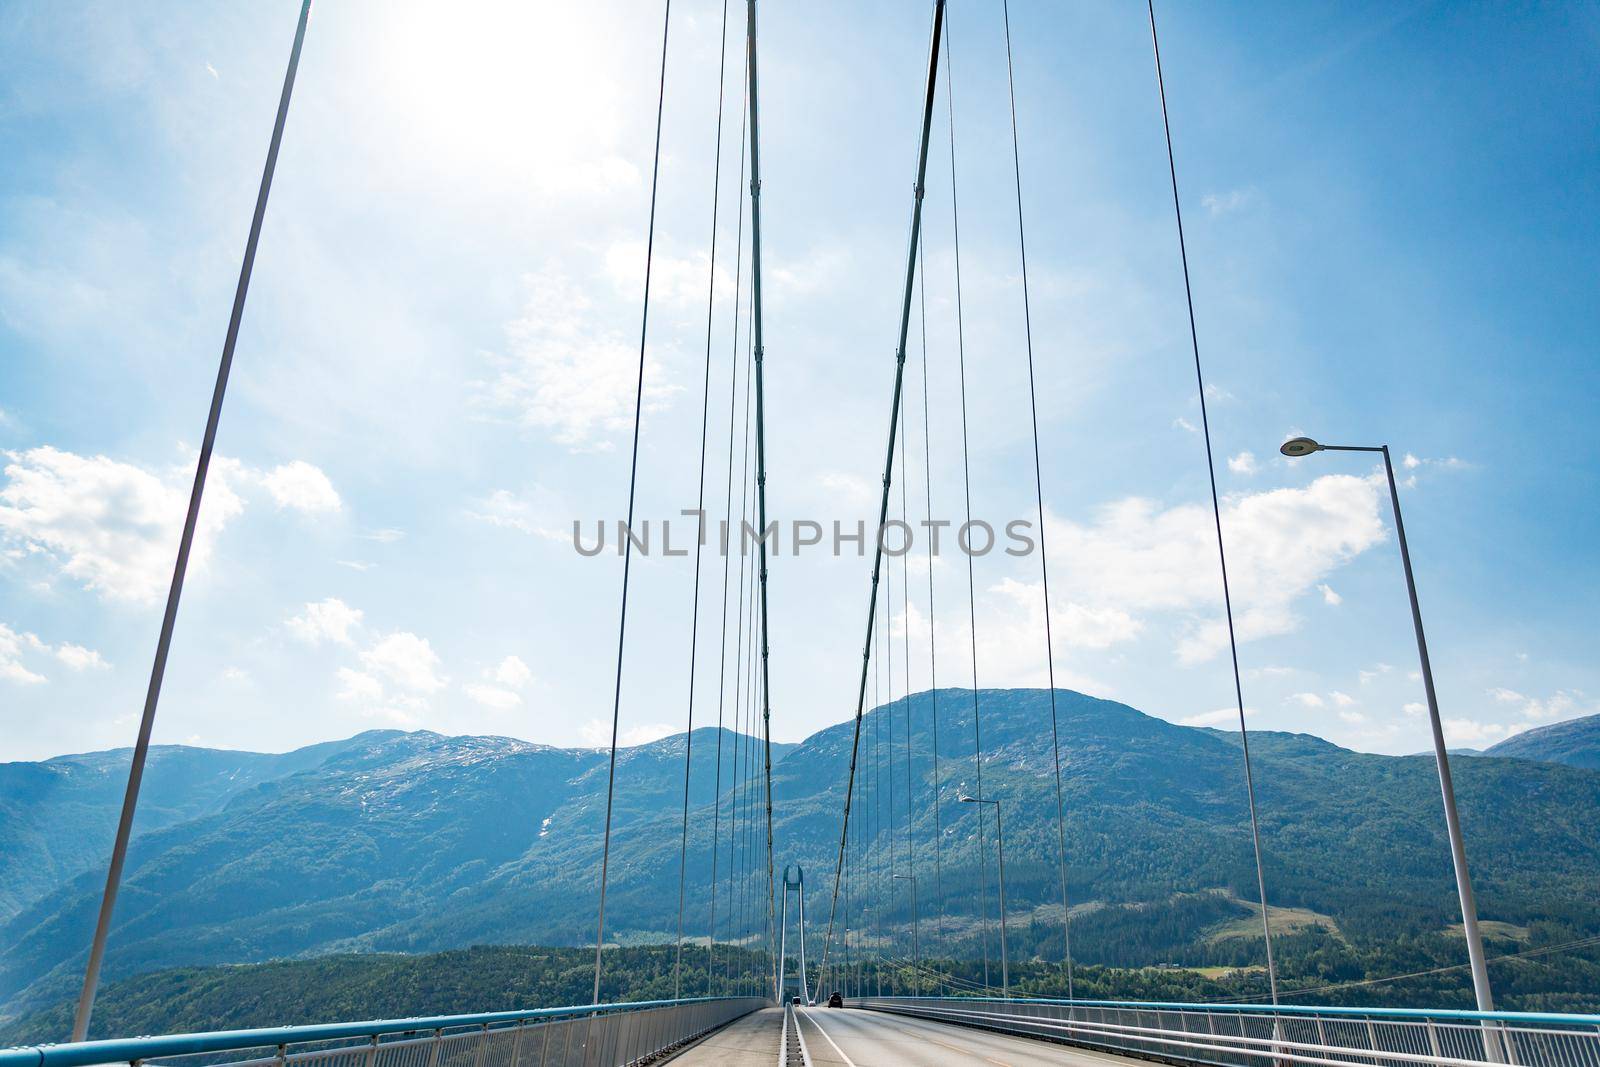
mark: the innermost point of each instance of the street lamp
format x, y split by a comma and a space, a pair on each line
916, 922
1000, 838
1304, 446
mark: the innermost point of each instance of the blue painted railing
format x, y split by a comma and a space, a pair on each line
714, 1012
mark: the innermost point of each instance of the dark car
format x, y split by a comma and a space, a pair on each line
796, 1000
835, 1000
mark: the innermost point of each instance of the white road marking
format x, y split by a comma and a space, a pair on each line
848, 1061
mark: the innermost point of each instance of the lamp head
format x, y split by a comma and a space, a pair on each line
963, 798
1299, 446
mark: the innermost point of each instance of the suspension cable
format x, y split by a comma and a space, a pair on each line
737, 789
722, 669
894, 425
1038, 490
1216, 508
933, 653
761, 449
966, 485
141, 748
633, 484
905, 659
700, 506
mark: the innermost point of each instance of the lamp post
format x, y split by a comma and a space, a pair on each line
916, 922
1304, 446
1000, 839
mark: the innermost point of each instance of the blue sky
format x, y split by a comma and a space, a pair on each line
1393, 237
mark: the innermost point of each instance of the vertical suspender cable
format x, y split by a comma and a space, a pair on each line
141, 748
700, 505
933, 651
905, 631
966, 484
722, 668
633, 483
1216, 510
894, 424
1038, 489
761, 447
737, 788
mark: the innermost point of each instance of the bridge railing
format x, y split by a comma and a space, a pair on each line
605, 1035
1231, 1035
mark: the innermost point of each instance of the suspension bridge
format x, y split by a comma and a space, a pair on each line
839, 990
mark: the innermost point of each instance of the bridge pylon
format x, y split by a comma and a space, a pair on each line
797, 886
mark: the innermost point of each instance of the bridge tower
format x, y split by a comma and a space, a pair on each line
796, 885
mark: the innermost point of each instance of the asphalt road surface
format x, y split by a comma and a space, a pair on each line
856, 1038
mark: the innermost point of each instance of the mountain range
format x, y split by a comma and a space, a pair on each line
411, 842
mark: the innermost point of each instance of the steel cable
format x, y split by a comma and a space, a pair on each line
633, 483
700, 506
1038, 488
169, 618
894, 425
1216, 508
722, 668
966, 485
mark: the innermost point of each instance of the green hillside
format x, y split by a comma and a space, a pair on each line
420, 843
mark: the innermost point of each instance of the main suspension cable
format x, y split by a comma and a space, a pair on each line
894, 425
1038, 489
722, 668
700, 506
1216, 509
933, 652
633, 484
966, 485
169, 619
761, 451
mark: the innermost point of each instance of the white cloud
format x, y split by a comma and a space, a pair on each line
1218, 204
11, 646
1329, 597
1181, 423
1072, 625
1308, 700
1368, 676
539, 516
1139, 558
1354, 718
213, 72
513, 672
358, 686
301, 486
406, 660
597, 733
568, 371
384, 537
326, 620
15, 645
1415, 709
1538, 711
78, 658
510, 675
111, 526
1243, 463
491, 696
1468, 732
1343, 700
1222, 717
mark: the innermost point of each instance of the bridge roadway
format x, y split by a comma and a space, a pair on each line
858, 1038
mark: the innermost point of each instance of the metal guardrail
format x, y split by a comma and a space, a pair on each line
604, 1035
1232, 1035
